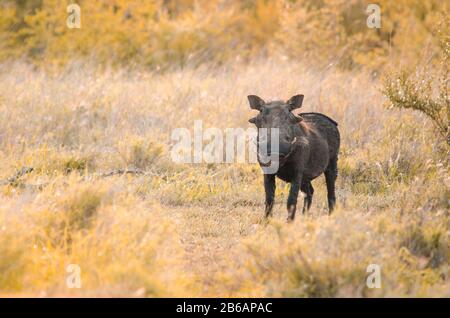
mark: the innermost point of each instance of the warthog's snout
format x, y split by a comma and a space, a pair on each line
267, 153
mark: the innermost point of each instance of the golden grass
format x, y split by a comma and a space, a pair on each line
198, 230
163, 34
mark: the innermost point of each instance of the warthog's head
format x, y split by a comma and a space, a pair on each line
278, 115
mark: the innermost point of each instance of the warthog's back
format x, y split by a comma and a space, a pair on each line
325, 126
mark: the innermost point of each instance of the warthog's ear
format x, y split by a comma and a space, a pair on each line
255, 102
295, 102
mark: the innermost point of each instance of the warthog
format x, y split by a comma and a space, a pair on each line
308, 147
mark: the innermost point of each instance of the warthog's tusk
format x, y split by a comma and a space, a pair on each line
293, 141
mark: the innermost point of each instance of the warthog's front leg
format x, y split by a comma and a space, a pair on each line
269, 186
292, 198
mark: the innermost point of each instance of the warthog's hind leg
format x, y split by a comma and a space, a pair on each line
330, 178
308, 189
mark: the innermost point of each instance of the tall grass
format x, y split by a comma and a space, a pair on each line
197, 229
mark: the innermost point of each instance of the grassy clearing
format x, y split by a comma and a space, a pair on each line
197, 229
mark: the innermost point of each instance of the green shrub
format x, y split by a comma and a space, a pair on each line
425, 91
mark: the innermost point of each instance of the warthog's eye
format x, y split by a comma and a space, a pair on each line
258, 120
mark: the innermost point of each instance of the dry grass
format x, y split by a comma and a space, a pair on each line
197, 230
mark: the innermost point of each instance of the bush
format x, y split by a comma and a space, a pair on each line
163, 34
425, 91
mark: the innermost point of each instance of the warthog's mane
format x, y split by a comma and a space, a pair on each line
307, 117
